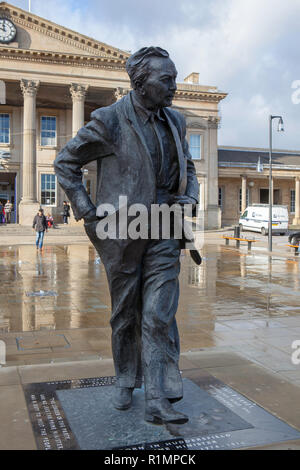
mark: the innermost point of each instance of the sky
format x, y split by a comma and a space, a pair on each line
247, 48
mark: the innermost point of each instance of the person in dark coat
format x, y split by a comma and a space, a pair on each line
66, 212
140, 147
40, 226
2, 219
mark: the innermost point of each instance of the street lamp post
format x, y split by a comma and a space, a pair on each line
279, 129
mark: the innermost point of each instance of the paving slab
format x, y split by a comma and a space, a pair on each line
65, 370
16, 431
289, 445
9, 376
207, 359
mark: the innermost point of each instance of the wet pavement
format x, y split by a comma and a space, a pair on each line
55, 306
238, 316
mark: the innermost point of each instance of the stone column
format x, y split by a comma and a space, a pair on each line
296, 220
29, 204
202, 194
212, 215
78, 93
244, 193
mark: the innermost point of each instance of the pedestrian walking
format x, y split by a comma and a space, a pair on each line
66, 212
8, 208
1, 212
40, 225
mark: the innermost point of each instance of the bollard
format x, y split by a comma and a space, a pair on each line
236, 234
237, 231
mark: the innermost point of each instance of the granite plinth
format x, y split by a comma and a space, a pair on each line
98, 425
78, 414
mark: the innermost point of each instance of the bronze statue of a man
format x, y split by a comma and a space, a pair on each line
141, 151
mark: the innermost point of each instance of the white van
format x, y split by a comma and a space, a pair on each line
256, 219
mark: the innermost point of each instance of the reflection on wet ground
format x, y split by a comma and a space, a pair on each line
81, 298
65, 287
236, 299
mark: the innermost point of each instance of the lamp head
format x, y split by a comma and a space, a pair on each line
259, 167
280, 127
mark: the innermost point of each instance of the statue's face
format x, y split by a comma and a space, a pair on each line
159, 88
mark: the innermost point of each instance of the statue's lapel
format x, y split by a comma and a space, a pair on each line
180, 155
131, 117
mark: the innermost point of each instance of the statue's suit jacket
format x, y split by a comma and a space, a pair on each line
113, 138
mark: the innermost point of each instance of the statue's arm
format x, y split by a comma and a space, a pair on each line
91, 142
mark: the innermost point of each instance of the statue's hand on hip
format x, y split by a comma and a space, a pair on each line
90, 217
90, 225
182, 200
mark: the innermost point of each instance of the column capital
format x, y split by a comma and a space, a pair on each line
78, 92
213, 122
120, 92
29, 87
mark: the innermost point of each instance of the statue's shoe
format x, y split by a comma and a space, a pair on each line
122, 398
174, 400
159, 411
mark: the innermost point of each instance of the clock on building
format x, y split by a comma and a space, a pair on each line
8, 31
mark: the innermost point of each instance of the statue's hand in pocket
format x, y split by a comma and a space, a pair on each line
90, 225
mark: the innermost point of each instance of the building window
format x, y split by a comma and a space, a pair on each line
195, 146
4, 129
48, 131
48, 190
221, 197
263, 196
292, 201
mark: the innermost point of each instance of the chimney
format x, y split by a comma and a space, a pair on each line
192, 78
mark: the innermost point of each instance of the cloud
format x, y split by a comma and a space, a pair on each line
247, 48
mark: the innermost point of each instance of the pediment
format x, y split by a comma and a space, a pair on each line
38, 34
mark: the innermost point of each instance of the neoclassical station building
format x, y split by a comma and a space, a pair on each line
52, 78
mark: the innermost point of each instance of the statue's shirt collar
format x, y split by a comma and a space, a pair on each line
145, 114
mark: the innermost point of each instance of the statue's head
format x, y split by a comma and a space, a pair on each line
153, 76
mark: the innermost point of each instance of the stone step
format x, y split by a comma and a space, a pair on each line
57, 226
16, 230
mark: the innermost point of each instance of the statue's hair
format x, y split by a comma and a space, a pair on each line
137, 64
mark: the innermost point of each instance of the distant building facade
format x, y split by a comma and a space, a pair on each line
243, 179
51, 79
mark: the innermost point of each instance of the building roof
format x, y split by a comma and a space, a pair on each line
239, 157
66, 37
42, 41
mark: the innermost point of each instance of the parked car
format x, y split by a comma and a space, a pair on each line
256, 218
294, 238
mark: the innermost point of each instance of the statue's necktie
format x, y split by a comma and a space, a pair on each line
152, 119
